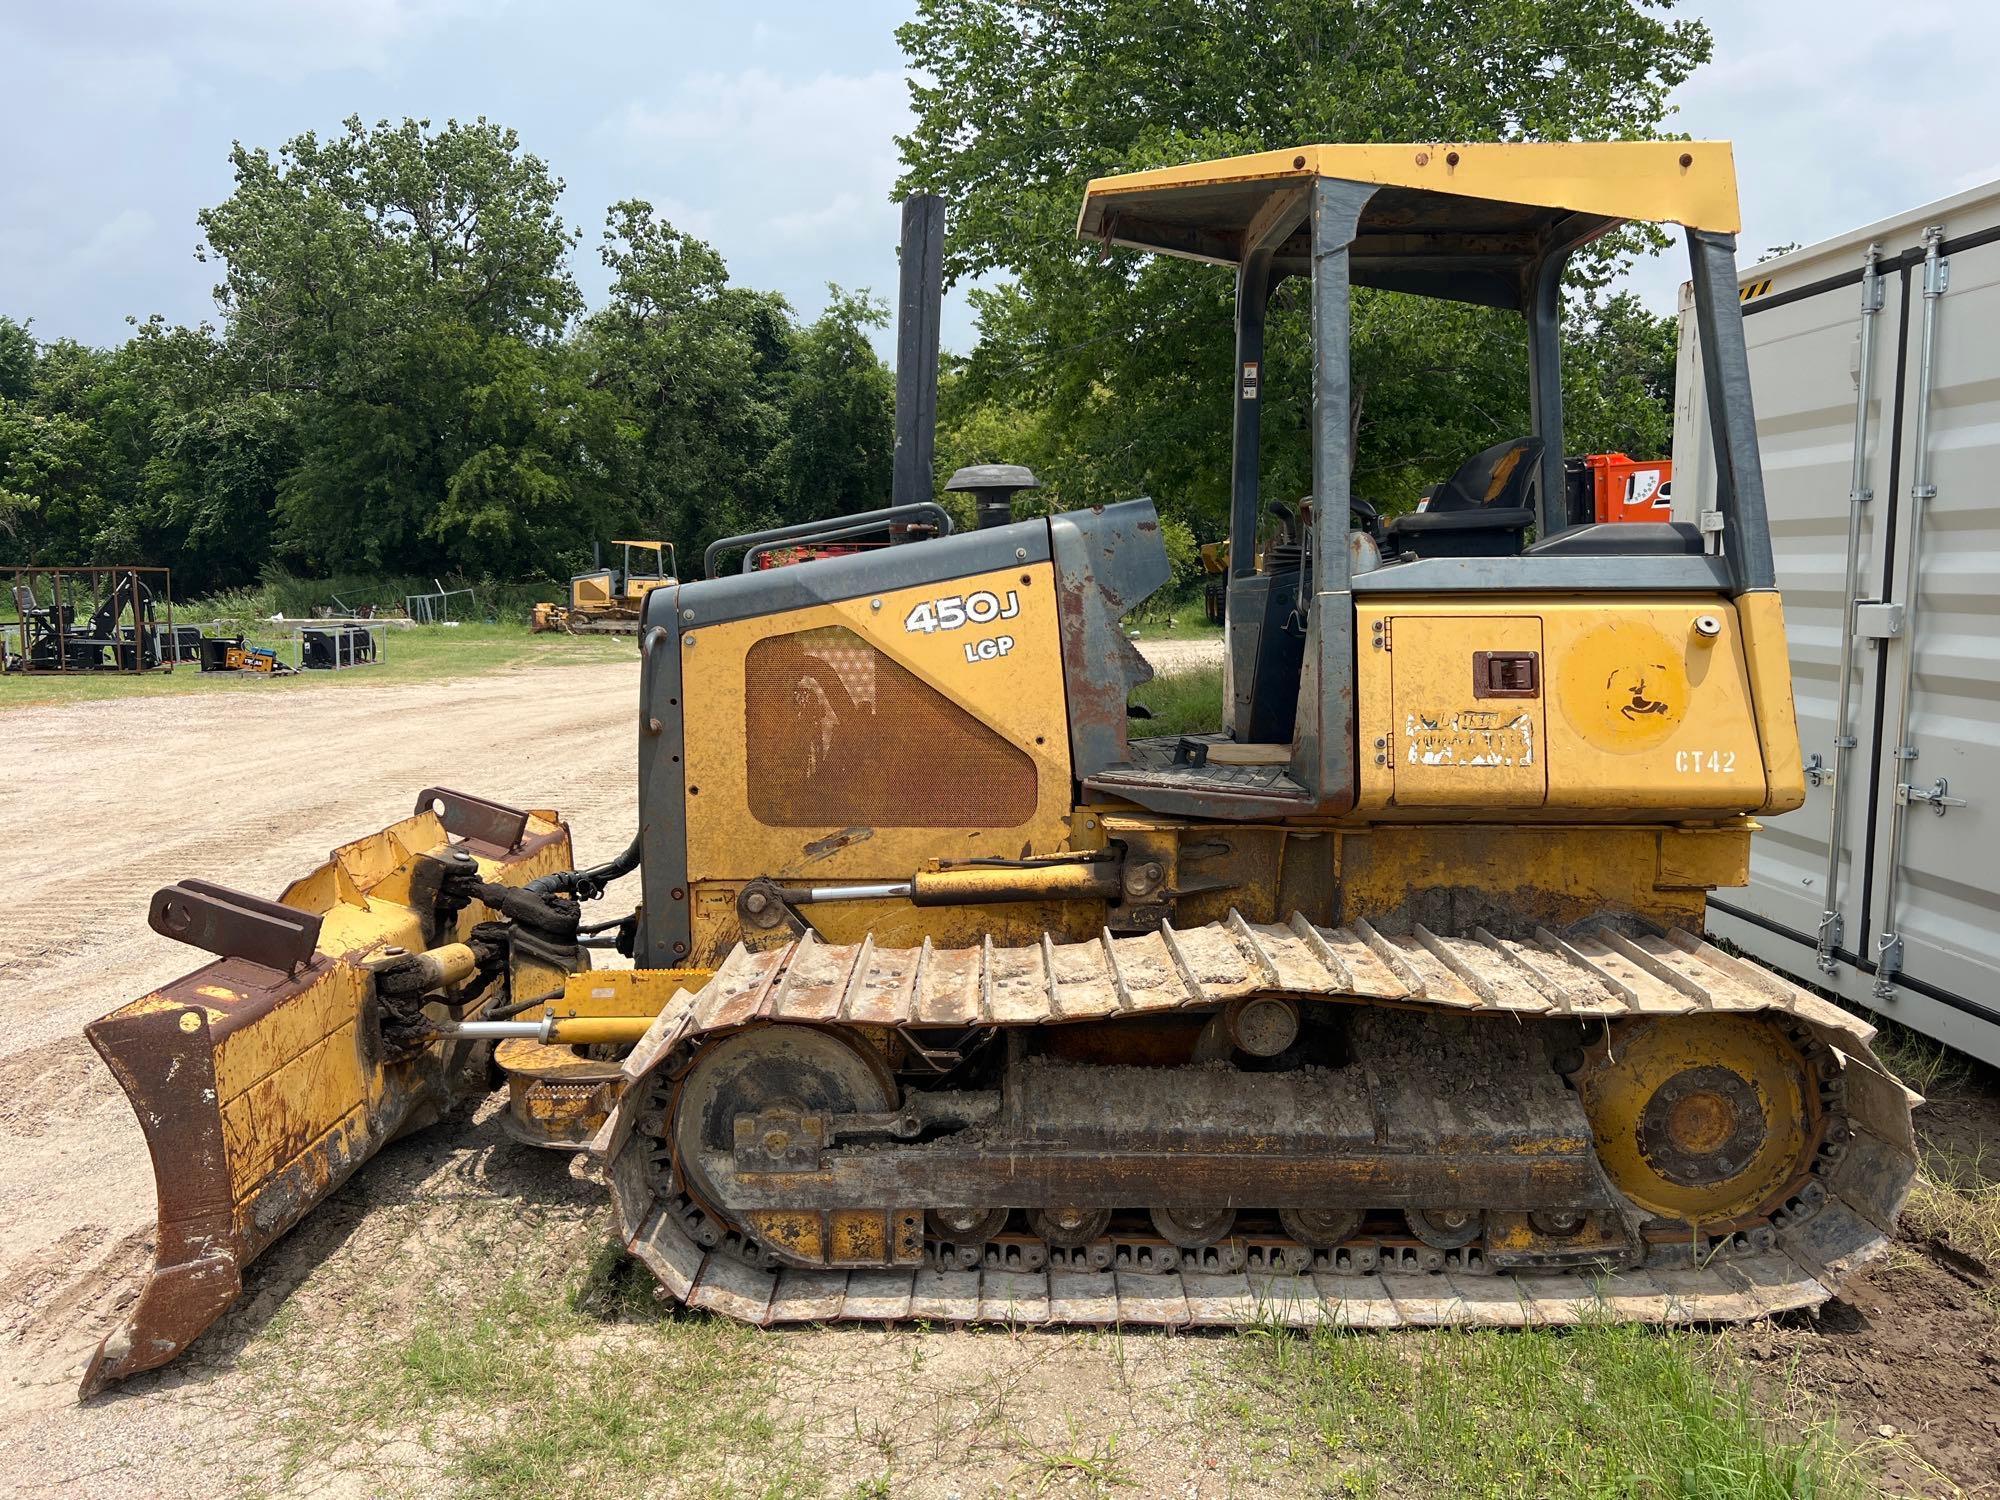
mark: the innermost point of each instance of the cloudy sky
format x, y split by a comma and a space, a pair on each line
766, 127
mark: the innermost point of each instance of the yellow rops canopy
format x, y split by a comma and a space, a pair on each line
1459, 221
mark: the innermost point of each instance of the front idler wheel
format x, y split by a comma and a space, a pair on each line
790, 1071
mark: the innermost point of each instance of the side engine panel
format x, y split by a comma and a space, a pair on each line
862, 738
1640, 709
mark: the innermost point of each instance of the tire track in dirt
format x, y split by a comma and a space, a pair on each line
128, 795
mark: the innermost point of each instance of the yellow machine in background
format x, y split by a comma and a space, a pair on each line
608, 600
1385, 1004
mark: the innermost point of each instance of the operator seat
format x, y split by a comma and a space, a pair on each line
1484, 510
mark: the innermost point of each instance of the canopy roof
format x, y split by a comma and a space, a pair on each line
1466, 221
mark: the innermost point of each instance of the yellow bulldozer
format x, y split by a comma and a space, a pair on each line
608, 600
952, 998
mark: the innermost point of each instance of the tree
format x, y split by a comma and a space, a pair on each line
17, 360
731, 416
1024, 101
405, 290
1618, 377
401, 381
692, 363
840, 412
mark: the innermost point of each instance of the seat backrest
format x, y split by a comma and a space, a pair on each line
1504, 476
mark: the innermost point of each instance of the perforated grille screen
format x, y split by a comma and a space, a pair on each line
839, 734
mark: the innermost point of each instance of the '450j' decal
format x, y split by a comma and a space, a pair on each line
953, 611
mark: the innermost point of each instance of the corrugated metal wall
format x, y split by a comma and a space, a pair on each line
1803, 318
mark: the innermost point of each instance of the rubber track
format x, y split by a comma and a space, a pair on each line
1595, 970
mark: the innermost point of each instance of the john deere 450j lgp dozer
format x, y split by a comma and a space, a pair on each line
953, 999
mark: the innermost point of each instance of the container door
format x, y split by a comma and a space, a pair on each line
1805, 373
1941, 888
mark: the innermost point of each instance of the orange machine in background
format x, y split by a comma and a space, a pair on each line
1613, 487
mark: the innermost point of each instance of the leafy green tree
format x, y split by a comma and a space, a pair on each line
406, 289
208, 447
1618, 377
59, 491
730, 415
17, 360
840, 412
692, 363
1023, 101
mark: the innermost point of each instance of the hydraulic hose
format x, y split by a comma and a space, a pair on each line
588, 885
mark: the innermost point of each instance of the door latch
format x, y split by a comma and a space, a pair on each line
1935, 796
1817, 773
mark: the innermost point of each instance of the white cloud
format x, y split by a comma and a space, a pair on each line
823, 117
120, 237
1842, 113
829, 217
165, 42
799, 159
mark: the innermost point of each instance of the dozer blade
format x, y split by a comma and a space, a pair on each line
261, 1080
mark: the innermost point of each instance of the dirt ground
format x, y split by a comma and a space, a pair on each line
126, 796
1171, 658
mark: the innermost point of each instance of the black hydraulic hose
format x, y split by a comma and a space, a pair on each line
588, 885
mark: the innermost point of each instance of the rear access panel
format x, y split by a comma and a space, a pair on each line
1466, 724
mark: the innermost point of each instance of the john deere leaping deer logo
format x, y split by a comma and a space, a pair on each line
1640, 704
1622, 686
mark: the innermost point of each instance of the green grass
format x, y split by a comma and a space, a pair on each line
1184, 618
420, 653
1955, 1199
1595, 1411
1182, 703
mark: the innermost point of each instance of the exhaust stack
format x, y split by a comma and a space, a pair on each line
917, 305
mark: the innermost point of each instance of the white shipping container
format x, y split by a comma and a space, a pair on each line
1885, 885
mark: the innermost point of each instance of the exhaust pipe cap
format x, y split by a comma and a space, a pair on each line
993, 487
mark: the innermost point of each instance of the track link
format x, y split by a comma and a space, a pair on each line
1837, 1218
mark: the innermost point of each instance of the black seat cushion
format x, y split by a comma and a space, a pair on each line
1485, 518
1622, 539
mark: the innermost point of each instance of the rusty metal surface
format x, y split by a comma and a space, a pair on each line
1599, 970
1107, 561
260, 1090
475, 818
556, 1098
221, 921
198, 1271
1595, 970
